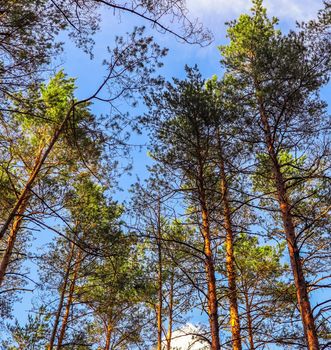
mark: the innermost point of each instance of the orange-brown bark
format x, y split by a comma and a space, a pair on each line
170, 313
69, 301
211, 281
289, 229
17, 219
249, 323
108, 336
230, 262
159, 280
12, 239
62, 296
36, 170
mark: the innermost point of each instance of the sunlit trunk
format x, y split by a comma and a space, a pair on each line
249, 322
61, 302
296, 263
211, 281
17, 219
108, 336
170, 313
159, 280
33, 176
12, 239
230, 262
69, 301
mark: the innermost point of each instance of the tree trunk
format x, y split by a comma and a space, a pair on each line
230, 264
17, 222
296, 263
12, 239
108, 336
69, 301
249, 323
159, 280
63, 291
170, 315
211, 280
38, 164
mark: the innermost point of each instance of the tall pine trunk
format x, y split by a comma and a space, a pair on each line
249, 322
170, 313
62, 296
230, 263
69, 301
211, 279
296, 263
159, 279
209, 259
108, 336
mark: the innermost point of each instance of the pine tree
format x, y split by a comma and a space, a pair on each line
283, 75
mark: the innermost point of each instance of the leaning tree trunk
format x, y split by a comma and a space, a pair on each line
12, 239
230, 262
288, 224
17, 221
36, 170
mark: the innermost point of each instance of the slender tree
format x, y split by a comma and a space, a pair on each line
283, 74
182, 144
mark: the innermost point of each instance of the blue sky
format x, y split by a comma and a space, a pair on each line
212, 13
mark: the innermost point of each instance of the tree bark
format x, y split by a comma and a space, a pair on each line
249, 322
63, 291
230, 263
37, 167
170, 314
12, 239
17, 221
159, 279
211, 280
69, 301
108, 336
288, 224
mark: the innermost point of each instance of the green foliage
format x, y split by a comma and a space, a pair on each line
249, 36
291, 167
194, 124
41, 111
257, 262
90, 209
57, 96
31, 336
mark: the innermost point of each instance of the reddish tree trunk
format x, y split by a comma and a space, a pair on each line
230, 263
63, 291
296, 263
108, 336
159, 280
170, 314
12, 239
69, 302
38, 164
17, 218
249, 323
211, 281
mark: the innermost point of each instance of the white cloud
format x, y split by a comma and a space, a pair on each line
182, 339
226, 9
